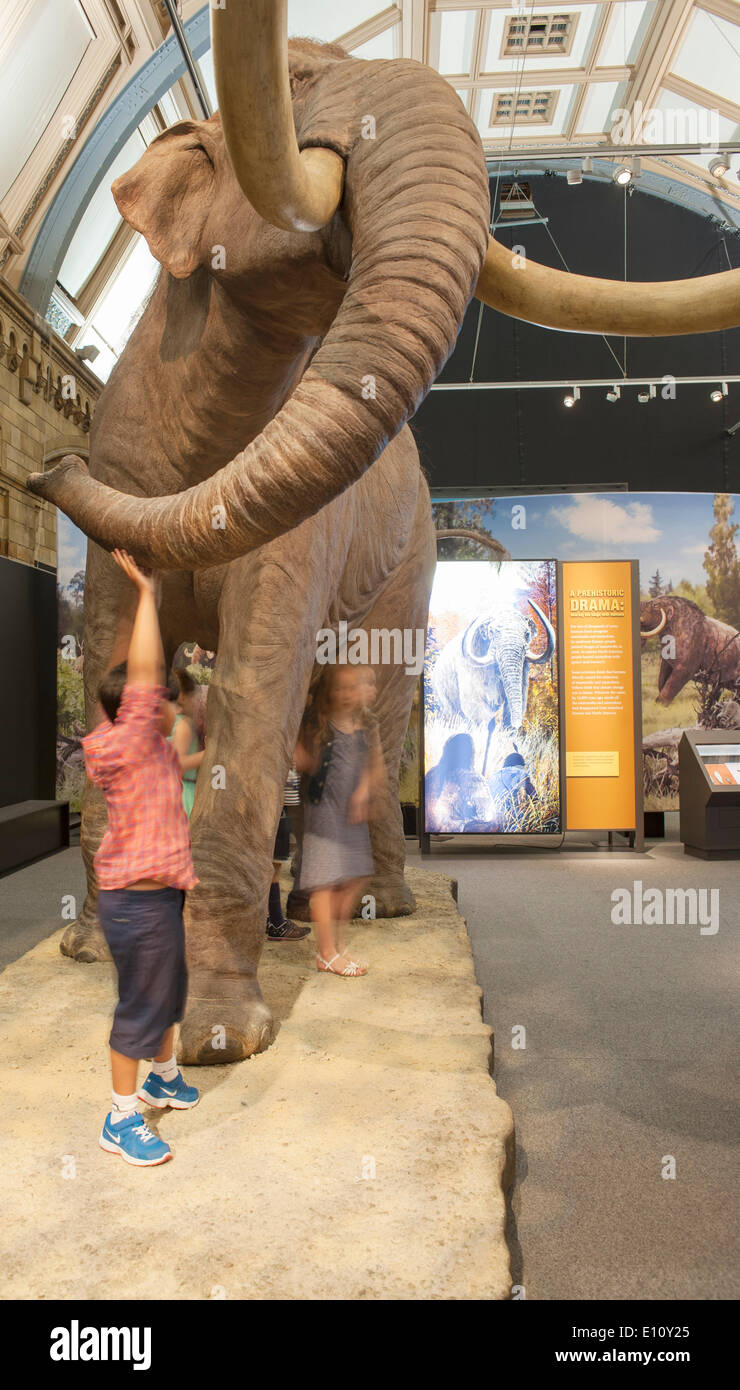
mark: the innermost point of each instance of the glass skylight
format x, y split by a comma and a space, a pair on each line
99, 221
117, 314
34, 75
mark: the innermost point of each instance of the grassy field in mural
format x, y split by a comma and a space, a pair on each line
70, 773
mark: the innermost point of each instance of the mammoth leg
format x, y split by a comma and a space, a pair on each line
671, 679
404, 605
272, 604
664, 671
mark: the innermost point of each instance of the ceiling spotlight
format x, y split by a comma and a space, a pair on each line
571, 400
645, 396
587, 165
622, 174
574, 176
720, 392
718, 166
614, 394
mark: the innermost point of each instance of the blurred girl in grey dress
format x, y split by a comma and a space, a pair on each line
339, 752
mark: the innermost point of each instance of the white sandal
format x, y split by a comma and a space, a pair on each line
352, 968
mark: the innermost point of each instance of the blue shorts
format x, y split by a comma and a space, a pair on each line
146, 938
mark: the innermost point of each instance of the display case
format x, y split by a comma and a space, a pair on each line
709, 780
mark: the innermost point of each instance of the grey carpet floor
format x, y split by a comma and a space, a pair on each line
33, 899
631, 1060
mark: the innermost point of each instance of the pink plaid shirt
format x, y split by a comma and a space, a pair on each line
138, 771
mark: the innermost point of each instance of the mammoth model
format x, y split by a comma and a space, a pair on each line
485, 668
320, 239
697, 645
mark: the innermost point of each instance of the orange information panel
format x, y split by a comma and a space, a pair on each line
599, 690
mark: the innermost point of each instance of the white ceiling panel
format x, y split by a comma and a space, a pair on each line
385, 45
456, 32
320, 19
600, 101
710, 55
625, 34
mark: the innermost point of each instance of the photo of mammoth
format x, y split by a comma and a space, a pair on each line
695, 645
485, 669
456, 797
320, 241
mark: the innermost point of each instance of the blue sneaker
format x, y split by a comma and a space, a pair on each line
134, 1141
161, 1093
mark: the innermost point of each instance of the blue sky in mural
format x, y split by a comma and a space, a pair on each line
666, 531
71, 549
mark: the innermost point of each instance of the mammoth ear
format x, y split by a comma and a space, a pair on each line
167, 196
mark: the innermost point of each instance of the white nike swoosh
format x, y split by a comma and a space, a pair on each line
114, 1137
169, 1093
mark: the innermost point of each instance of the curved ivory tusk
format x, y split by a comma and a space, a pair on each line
550, 648
465, 644
464, 533
299, 191
655, 630
525, 290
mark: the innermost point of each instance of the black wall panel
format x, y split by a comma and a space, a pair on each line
28, 626
518, 439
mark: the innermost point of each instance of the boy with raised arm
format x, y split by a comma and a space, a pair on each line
143, 868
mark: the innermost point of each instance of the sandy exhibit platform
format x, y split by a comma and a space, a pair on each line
363, 1156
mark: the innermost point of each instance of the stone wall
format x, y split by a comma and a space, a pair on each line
47, 396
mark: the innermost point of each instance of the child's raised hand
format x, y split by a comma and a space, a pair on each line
131, 569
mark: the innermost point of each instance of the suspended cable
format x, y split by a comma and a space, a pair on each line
519, 69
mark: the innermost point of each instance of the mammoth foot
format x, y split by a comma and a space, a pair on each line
215, 1031
393, 898
84, 941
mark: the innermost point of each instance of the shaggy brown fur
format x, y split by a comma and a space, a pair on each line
696, 645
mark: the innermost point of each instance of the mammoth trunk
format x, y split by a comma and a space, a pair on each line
416, 204
513, 671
